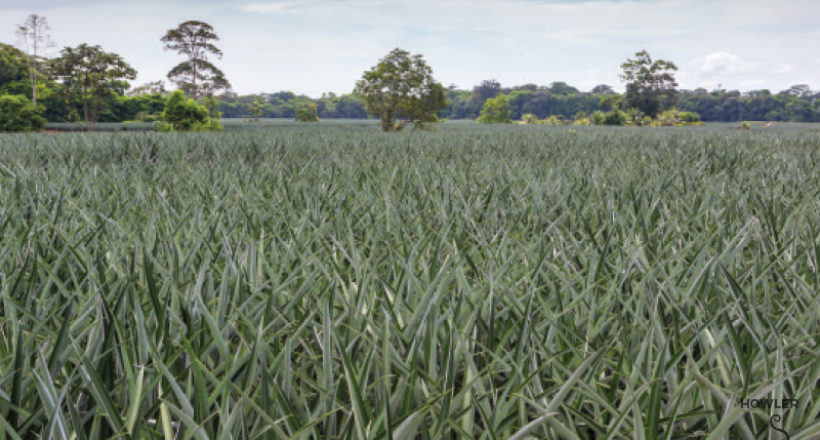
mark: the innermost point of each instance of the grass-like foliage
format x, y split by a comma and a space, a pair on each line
331, 282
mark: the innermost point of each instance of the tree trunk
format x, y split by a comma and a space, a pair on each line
193, 81
85, 106
34, 73
388, 121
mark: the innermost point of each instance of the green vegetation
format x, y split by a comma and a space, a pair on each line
184, 114
307, 113
634, 117
614, 117
17, 113
13, 71
650, 84
255, 109
477, 282
93, 77
401, 90
495, 111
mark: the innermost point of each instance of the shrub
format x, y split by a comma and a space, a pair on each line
307, 113
530, 119
553, 120
689, 117
183, 114
147, 117
676, 118
17, 113
635, 117
495, 111
615, 117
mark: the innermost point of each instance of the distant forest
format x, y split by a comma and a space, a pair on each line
797, 104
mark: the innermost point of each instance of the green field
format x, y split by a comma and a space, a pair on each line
329, 281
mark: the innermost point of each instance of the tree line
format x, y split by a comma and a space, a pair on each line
88, 84
557, 99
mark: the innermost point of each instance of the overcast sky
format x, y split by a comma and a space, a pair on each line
317, 46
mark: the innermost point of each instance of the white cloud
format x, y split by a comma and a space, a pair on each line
727, 68
720, 63
782, 68
272, 7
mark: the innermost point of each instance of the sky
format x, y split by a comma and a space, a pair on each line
317, 46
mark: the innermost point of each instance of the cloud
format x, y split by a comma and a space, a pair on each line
720, 63
722, 67
272, 7
782, 68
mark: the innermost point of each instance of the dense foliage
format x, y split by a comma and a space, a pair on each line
17, 113
307, 113
400, 90
324, 281
13, 71
650, 84
495, 111
91, 76
185, 114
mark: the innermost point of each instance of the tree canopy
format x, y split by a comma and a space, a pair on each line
13, 67
95, 76
650, 84
196, 76
401, 90
17, 113
307, 113
184, 114
495, 111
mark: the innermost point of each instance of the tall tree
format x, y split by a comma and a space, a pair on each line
34, 38
94, 75
401, 90
650, 84
196, 76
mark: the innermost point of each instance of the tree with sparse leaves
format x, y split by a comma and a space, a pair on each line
650, 84
401, 90
34, 37
196, 76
